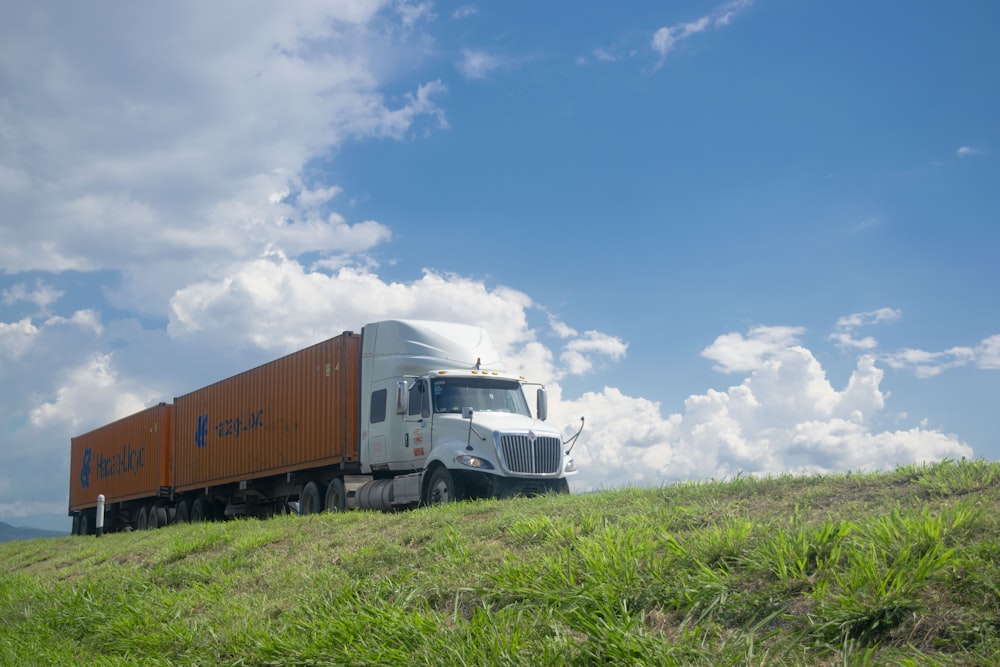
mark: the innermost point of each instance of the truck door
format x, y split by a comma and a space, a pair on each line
416, 422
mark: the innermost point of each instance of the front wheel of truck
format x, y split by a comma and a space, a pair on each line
441, 487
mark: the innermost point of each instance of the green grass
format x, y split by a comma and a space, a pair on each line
901, 568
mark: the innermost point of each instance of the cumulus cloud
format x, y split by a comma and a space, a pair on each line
91, 395
734, 352
784, 416
125, 158
16, 337
578, 355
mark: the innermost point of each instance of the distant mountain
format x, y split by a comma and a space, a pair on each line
9, 532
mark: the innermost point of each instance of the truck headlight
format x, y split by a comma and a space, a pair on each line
474, 462
570, 466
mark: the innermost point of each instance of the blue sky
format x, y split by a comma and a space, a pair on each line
749, 236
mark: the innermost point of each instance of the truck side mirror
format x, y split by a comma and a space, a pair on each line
542, 404
402, 394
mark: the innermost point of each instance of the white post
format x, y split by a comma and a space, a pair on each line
100, 515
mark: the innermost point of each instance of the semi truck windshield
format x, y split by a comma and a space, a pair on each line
481, 394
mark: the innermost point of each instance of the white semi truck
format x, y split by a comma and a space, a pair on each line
462, 426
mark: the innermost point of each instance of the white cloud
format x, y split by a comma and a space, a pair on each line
414, 12
843, 335
784, 416
928, 364
476, 64
42, 295
127, 159
464, 12
93, 394
88, 320
16, 337
735, 353
969, 151
988, 353
922, 363
578, 355
667, 38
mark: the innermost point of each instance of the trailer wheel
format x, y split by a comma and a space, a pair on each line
142, 520
76, 525
336, 496
441, 487
184, 511
311, 498
157, 517
85, 523
201, 510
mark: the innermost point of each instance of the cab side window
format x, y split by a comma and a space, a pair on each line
380, 399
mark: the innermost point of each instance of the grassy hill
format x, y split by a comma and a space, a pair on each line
898, 568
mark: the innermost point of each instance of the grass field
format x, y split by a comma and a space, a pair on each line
899, 568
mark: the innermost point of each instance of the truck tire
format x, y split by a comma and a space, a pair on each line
157, 517
311, 499
184, 511
76, 525
441, 487
336, 496
202, 510
85, 524
560, 486
142, 519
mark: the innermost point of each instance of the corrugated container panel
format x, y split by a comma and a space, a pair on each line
124, 460
294, 413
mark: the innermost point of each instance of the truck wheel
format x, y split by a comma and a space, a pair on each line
201, 510
85, 523
560, 486
76, 525
336, 496
311, 498
142, 520
157, 517
441, 487
184, 511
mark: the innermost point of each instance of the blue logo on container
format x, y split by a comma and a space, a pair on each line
85, 469
201, 435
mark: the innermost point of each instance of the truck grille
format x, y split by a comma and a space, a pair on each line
521, 455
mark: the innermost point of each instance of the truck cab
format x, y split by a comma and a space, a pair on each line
441, 419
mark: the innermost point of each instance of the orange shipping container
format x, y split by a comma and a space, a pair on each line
124, 460
294, 413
